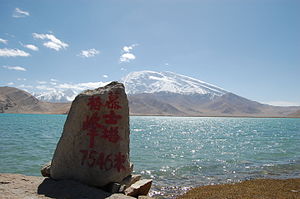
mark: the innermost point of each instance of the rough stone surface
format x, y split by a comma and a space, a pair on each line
94, 146
141, 187
113, 187
129, 180
16, 186
144, 197
45, 170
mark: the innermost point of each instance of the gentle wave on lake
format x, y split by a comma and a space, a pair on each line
177, 152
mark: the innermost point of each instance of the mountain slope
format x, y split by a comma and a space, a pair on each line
229, 105
155, 93
57, 95
13, 100
154, 82
167, 93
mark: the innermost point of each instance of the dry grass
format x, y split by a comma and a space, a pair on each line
251, 189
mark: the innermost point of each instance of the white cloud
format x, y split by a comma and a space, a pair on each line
52, 42
105, 76
10, 83
81, 86
53, 80
6, 52
3, 41
283, 103
41, 82
44, 87
31, 47
25, 86
21, 79
18, 68
127, 56
89, 53
20, 13
128, 49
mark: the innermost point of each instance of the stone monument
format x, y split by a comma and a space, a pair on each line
94, 146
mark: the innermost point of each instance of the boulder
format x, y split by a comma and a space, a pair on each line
144, 197
139, 188
45, 170
129, 180
94, 145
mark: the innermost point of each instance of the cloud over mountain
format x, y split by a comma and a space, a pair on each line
7, 52
18, 13
18, 68
51, 41
127, 55
89, 53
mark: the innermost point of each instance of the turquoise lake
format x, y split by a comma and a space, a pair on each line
176, 152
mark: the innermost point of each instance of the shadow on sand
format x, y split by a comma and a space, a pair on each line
69, 189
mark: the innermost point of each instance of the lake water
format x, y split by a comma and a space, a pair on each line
177, 152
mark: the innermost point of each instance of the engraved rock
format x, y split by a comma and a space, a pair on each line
94, 146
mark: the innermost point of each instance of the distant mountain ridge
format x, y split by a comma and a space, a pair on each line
13, 100
168, 93
57, 95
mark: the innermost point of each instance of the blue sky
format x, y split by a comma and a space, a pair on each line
248, 47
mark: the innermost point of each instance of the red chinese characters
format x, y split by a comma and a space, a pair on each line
100, 160
112, 102
111, 134
98, 126
91, 124
112, 118
95, 103
119, 161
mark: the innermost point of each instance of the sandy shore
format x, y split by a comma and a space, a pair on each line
15, 186
251, 189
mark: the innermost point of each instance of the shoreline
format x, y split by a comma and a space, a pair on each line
41, 187
185, 116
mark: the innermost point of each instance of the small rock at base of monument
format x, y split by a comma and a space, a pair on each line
94, 146
139, 188
129, 180
144, 197
45, 170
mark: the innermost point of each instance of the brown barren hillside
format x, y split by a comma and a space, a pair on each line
13, 100
296, 114
228, 105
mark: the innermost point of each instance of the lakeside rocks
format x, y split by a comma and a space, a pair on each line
140, 187
94, 146
45, 170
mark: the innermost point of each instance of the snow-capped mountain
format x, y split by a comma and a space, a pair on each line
57, 95
154, 82
168, 93
137, 83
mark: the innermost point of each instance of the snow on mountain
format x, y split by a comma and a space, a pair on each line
57, 95
152, 82
65, 92
136, 83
